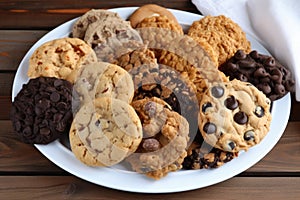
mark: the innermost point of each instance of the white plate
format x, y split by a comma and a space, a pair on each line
177, 181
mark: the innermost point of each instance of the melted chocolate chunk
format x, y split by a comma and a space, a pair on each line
231, 103
259, 111
209, 128
217, 91
240, 118
205, 106
249, 135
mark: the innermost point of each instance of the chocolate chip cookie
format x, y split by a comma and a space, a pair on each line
234, 116
224, 35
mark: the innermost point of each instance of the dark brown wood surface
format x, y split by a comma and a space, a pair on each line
25, 173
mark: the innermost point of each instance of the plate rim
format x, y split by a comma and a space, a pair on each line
154, 186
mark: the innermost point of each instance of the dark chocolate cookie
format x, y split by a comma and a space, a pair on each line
42, 110
263, 71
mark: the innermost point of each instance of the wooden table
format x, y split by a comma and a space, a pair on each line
26, 174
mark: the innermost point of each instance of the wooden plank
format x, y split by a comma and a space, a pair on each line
6, 82
19, 14
16, 156
285, 156
69, 187
13, 46
5, 105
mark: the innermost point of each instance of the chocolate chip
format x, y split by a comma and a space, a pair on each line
259, 111
55, 97
254, 54
205, 106
151, 144
230, 145
240, 118
231, 103
232, 67
34, 115
270, 62
242, 77
217, 91
58, 83
45, 131
264, 87
240, 55
249, 135
260, 72
209, 128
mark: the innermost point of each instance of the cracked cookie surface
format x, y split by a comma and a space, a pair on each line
104, 132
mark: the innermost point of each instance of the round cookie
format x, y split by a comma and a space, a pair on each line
41, 112
263, 71
165, 139
81, 25
224, 35
149, 10
101, 79
234, 116
60, 58
104, 132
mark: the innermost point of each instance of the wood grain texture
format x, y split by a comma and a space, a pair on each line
16, 156
69, 187
18, 14
14, 44
5, 105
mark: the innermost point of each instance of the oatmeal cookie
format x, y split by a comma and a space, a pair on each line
224, 35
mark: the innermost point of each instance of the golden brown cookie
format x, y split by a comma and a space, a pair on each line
224, 35
60, 58
165, 139
149, 10
234, 116
104, 132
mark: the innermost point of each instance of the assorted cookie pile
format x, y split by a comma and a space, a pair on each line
146, 93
